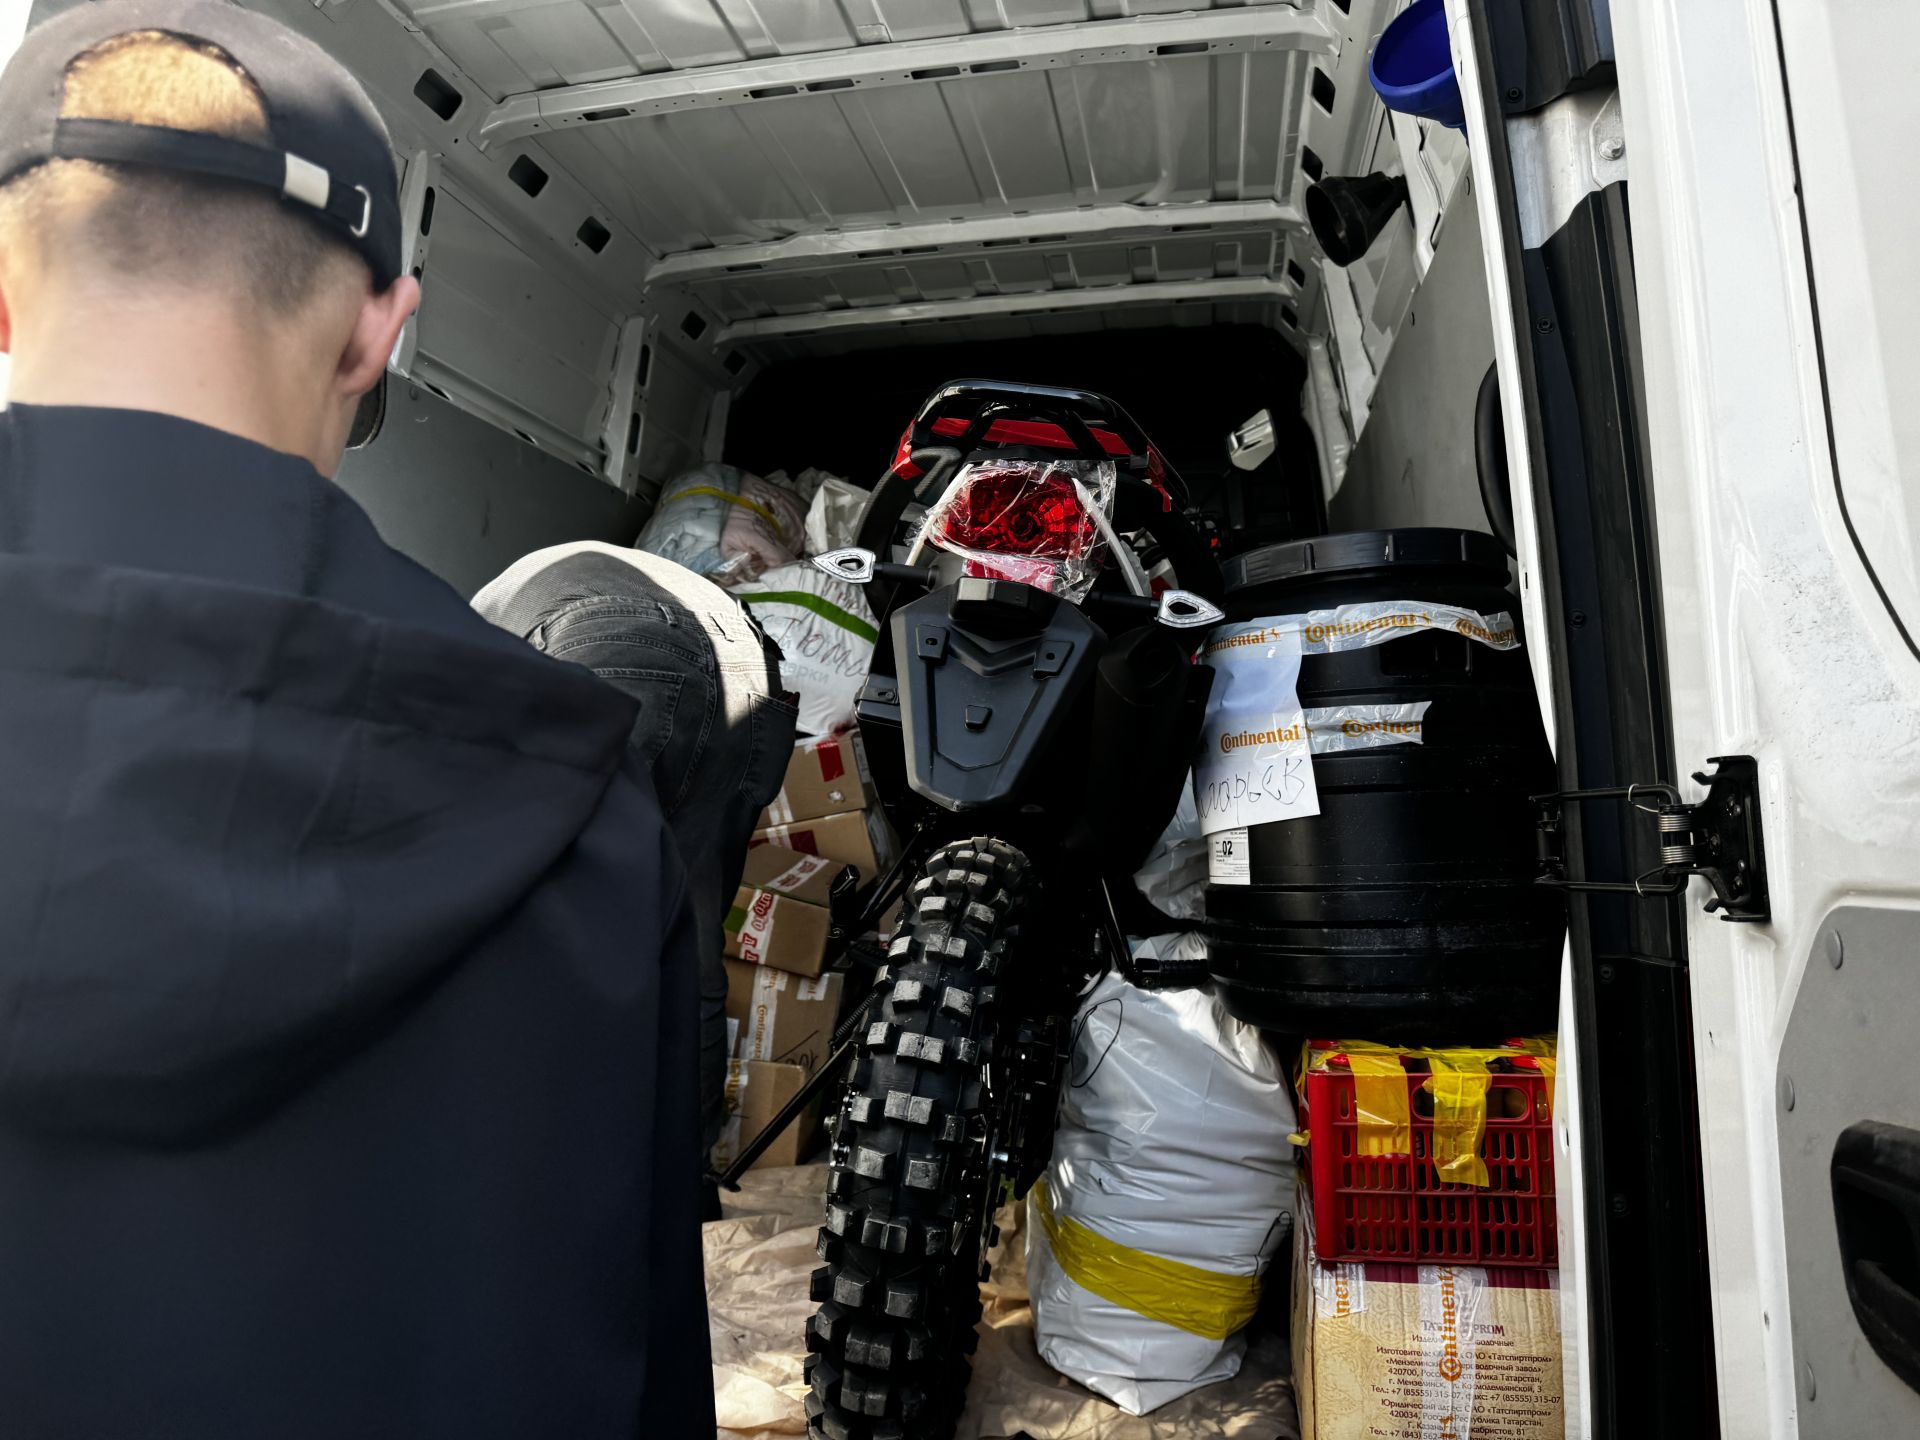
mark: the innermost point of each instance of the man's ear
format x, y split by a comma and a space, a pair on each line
375, 329
6, 314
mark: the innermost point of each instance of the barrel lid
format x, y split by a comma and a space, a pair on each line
1331, 555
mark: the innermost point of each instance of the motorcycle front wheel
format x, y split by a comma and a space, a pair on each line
908, 1204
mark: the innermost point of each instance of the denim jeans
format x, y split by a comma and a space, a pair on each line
715, 729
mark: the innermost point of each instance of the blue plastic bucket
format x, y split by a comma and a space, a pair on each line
1412, 66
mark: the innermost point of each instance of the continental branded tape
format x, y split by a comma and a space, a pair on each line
1201, 1302
764, 1004
1450, 1328
1374, 622
763, 1011
734, 1099
1255, 765
1339, 1289
1333, 729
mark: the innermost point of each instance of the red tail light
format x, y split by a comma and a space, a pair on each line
1017, 520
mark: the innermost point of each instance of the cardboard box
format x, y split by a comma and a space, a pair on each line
783, 1019
859, 838
1415, 1352
755, 1092
827, 775
779, 915
788, 872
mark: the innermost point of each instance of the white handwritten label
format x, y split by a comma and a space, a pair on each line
1255, 766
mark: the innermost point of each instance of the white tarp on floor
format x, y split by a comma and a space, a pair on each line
758, 1261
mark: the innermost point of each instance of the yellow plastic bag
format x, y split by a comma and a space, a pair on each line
1459, 1080
1380, 1104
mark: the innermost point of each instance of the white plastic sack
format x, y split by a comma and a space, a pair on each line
1173, 878
763, 530
685, 526
1172, 1144
804, 485
833, 520
1187, 945
825, 632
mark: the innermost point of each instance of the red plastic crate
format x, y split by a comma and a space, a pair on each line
1395, 1207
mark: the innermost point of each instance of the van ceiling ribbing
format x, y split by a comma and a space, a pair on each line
810, 167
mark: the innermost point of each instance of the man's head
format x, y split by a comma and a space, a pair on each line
265, 305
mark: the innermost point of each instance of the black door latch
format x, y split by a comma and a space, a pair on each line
1717, 838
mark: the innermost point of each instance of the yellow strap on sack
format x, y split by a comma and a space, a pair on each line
1380, 1103
1459, 1085
715, 492
1200, 1302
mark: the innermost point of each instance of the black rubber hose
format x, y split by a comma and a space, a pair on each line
1490, 459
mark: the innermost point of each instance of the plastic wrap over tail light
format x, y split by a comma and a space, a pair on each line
1025, 520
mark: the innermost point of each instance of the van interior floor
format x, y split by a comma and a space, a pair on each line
760, 1255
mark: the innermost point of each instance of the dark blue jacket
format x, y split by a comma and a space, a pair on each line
347, 994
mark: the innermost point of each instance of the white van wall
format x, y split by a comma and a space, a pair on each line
466, 499
1414, 462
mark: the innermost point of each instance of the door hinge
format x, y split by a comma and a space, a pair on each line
1717, 838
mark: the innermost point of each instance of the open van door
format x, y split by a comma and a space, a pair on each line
1776, 202
1708, 339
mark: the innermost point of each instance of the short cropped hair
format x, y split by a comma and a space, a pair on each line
140, 224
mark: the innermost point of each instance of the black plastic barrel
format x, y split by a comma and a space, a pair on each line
1407, 908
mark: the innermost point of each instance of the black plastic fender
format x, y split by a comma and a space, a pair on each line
989, 672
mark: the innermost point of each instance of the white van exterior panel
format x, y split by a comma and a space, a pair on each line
1772, 354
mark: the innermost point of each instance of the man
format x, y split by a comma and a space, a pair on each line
715, 730
347, 983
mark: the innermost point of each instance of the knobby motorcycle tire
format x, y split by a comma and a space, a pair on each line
899, 1292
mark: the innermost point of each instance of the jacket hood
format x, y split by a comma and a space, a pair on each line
241, 831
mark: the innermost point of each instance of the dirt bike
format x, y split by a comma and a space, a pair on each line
1029, 719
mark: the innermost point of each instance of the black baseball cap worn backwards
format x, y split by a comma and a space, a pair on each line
329, 159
